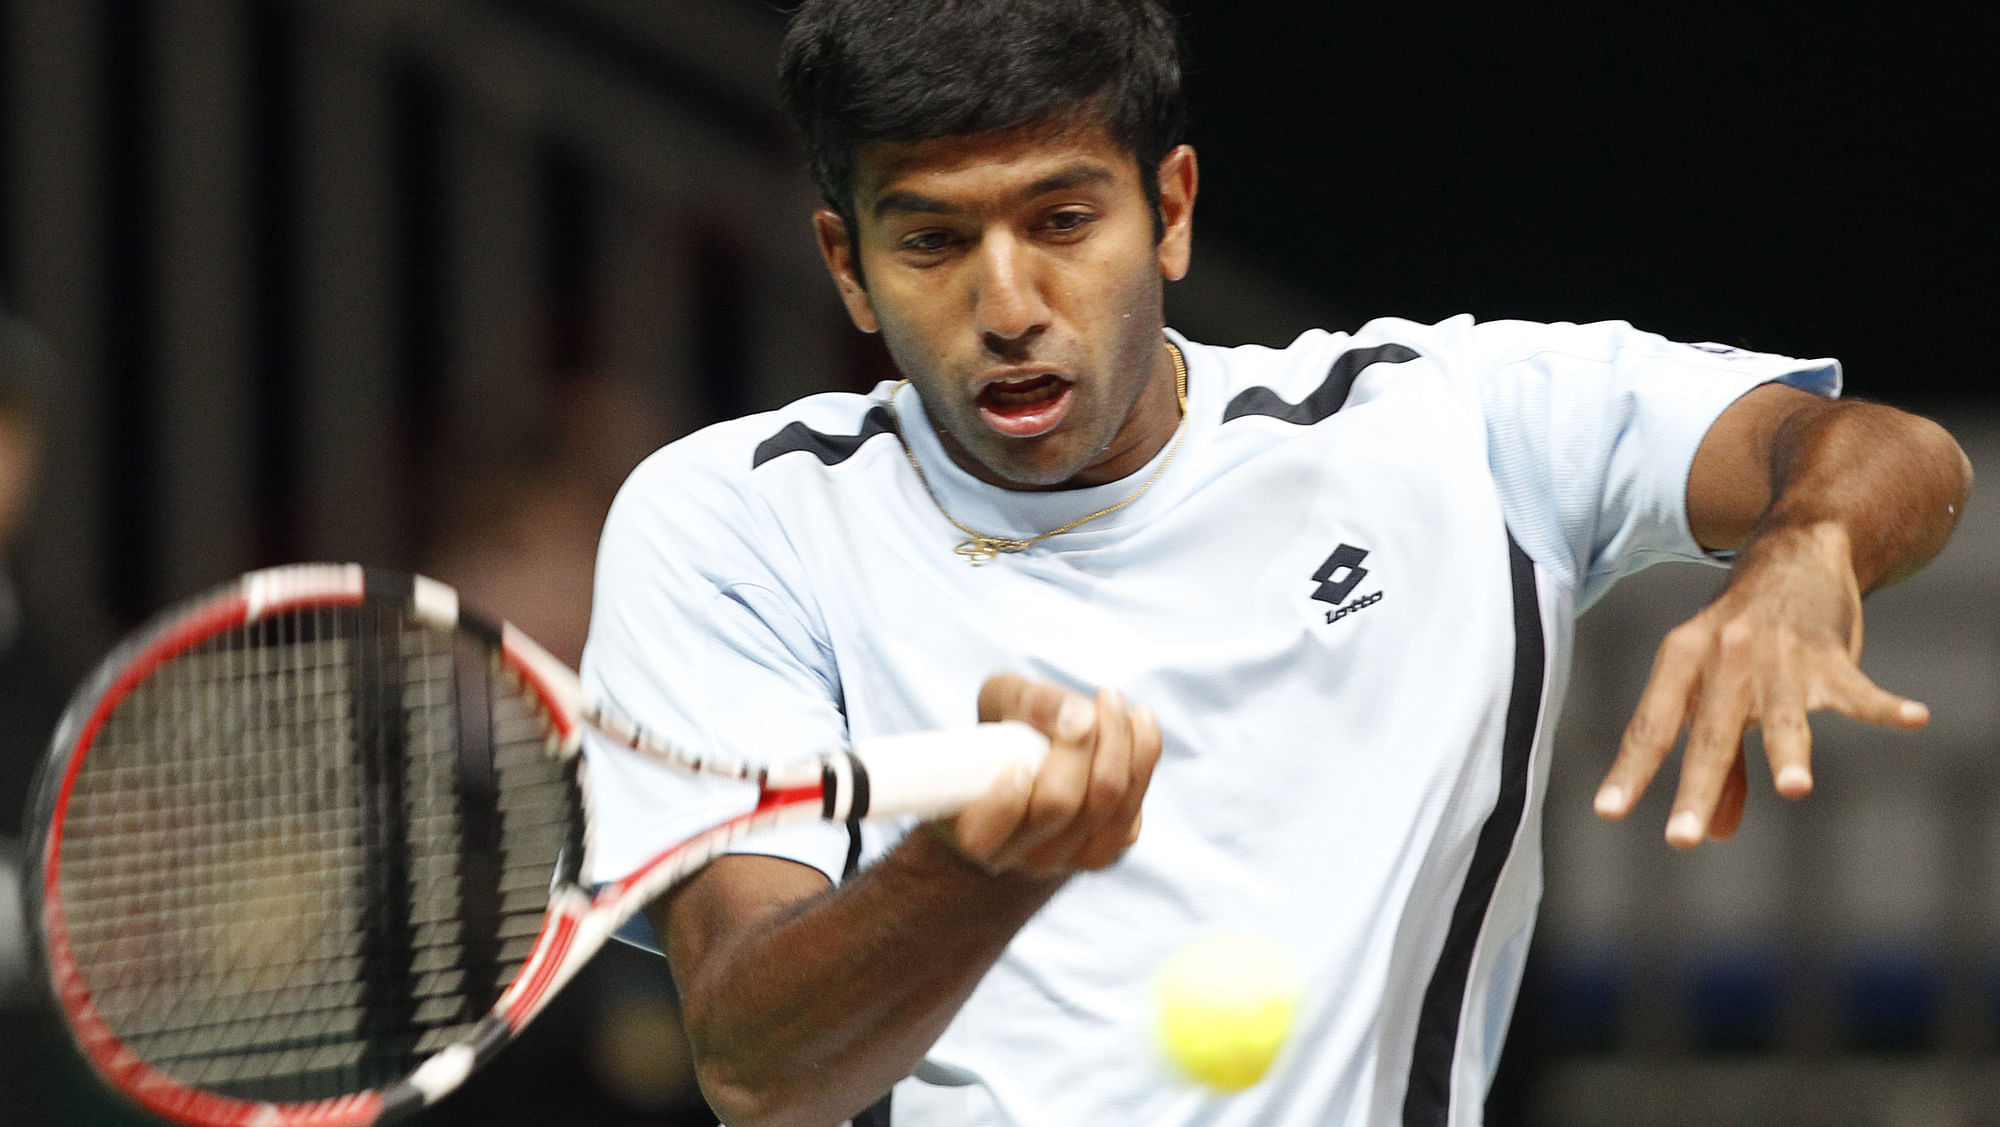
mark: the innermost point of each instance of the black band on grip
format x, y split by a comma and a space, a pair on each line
489, 1037
858, 809
399, 1101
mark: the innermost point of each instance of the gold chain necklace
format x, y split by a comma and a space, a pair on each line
978, 547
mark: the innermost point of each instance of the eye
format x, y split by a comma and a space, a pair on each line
925, 242
1068, 222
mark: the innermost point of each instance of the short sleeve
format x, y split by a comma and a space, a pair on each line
693, 636
1592, 431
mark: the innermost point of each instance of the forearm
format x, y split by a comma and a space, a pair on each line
812, 1012
1890, 484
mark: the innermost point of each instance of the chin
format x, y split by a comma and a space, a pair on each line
1031, 473
1029, 477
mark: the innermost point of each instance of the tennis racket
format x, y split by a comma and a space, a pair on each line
309, 847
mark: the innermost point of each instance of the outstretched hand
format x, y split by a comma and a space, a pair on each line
1782, 641
1081, 809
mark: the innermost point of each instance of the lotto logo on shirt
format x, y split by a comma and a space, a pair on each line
1338, 576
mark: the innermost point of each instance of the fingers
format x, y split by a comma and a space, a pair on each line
983, 827
1081, 809
1061, 809
1787, 735
1715, 739
1009, 696
1655, 725
996, 830
1728, 816
1067, 818
1714, 679
1850, 692
1119, 829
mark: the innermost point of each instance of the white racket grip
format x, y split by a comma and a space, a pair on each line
933, 773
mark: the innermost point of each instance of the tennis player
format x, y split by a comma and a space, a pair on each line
1307, 609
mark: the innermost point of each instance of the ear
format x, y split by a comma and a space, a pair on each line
1178, 180
838, 251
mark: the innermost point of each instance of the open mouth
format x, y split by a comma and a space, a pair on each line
1025, 407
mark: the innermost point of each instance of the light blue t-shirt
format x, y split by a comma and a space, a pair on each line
1347, 598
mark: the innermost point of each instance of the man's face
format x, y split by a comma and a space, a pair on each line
1016, 279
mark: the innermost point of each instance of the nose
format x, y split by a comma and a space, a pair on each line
1009, 307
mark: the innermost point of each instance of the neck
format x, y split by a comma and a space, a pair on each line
1155, 417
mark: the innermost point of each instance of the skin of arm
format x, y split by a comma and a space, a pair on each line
804, 1002
1822, 501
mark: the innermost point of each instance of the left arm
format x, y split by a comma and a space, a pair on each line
1823, 501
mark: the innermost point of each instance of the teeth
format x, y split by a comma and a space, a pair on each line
1024, 391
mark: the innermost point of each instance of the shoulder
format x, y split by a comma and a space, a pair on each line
719, 487
1622, 349
1311, 351
1322, 371
732, 459
1469, 355
1456, 342
828, 426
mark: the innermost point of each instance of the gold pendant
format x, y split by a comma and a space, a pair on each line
978, 549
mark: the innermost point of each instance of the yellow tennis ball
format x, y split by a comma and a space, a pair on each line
1225, 1005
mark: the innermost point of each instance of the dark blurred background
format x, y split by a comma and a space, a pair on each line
415, 282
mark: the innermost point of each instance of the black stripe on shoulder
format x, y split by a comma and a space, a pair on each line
1327, 398
1427, 1100
831, 449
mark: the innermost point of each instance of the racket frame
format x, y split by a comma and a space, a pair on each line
576, 924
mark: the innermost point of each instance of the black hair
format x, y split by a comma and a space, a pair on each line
860, 71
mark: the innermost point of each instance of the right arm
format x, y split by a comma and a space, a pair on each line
804, 1002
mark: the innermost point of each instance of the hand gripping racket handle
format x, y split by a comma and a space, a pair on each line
934, 773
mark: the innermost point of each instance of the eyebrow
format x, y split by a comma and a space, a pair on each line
1075, 176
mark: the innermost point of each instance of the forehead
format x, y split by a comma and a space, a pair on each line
1000, 165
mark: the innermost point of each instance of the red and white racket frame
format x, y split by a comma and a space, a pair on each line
925, 773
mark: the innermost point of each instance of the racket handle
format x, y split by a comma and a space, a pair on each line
933, 773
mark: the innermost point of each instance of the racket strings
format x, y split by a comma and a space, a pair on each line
267, 877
